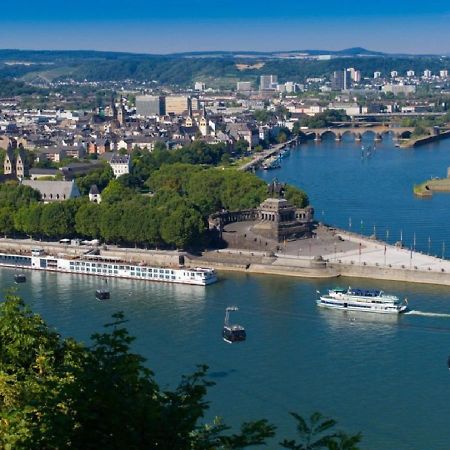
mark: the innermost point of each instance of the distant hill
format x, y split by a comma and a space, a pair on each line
216, 69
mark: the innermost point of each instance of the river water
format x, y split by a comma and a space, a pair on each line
384, 376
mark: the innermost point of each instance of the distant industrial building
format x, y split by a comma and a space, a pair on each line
244, 86
178, 104
268, 82
410, 73
150, 105
443, 74
394, 74
427, 73
377, 75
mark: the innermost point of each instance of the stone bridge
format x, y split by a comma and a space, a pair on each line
358, 132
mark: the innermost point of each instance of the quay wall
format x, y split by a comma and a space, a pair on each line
241, 261
393, 274
132, 255
426, 140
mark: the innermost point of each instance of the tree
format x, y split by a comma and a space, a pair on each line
182, 227
296, 196
116, 192
27, 219
58, 219
87, 220
6, 220
318, 433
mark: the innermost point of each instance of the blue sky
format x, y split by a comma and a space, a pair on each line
163, 26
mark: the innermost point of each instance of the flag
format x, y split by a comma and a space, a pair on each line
384, 249
360, 248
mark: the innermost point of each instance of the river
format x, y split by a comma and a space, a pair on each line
384, 376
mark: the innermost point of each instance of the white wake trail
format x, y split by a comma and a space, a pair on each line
427, 314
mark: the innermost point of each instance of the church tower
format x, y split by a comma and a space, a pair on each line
203, 123
121, 113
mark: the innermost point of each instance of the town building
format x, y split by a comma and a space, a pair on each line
150, 105
94, 194
178, 104
396, 89
341, 80
268, 82
199, 86
16, 163
54, 191
243, 86
120, 164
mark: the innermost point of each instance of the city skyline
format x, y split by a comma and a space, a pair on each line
240, 26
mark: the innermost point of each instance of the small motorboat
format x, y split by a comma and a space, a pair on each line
232, 332
20, 278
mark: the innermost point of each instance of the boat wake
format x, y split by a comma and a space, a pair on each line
427, 314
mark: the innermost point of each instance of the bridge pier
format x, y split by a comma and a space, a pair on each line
358, 137
338, 137
378, 137
317, 137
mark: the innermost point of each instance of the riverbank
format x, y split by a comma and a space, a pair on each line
427, 188
333, 253
423, 140
330, 254
258, 159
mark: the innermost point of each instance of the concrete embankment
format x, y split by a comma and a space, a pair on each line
367, 259
416, 142
254, 262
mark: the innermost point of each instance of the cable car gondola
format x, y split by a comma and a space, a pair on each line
103, 294
232, 332
20, 278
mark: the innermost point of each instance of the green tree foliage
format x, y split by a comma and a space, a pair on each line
318, 433
296, 196
263, 116
87, 220
321, 120
183, 226
100, 177
27, 219
58, 219
116, 192
14, 195
6, 220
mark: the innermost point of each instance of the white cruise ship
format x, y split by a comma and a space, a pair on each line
362, 300
108, 267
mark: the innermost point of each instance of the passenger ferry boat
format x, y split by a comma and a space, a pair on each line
362, 300
108, 267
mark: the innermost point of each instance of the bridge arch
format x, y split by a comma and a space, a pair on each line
327, 133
